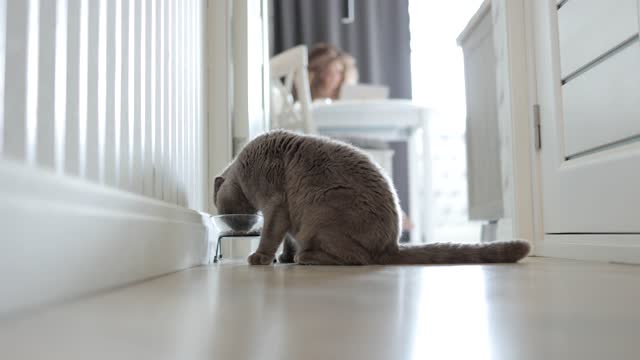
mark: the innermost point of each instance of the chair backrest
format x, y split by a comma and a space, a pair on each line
289, 70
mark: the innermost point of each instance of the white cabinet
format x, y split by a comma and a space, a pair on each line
483, 153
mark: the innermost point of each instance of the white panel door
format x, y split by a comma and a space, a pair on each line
590, 123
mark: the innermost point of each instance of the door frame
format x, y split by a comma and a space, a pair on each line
231, 122
521, 183
219, 92
231, 119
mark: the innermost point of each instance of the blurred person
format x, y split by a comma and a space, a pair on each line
330, 68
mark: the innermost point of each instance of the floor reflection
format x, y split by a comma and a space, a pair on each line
539, 309
452, 314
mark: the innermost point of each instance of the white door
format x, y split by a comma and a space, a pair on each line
588, 76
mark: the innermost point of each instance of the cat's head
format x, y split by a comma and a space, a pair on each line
229, 197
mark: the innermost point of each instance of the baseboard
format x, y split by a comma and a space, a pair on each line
623, 248
62, 237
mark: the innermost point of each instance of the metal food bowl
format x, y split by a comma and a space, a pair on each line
235, 225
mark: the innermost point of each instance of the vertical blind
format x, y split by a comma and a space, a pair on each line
107, 90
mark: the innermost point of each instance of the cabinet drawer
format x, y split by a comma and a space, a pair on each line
602, 105
591, 28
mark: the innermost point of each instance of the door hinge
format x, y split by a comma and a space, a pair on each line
536, 126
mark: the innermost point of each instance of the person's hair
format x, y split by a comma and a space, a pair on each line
321, 57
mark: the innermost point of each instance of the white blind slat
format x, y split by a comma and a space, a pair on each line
111, 135
45, 138
155, 101
173, 197
60, 85
202, 163
31, 112
190, 97
82, 87
72, 125
129, 98
92, 111
183, 101
168, 102
137, 176
176, 100
151, 120
16, 74
185, 97
119, 113
3, 52
101, 103
145, 96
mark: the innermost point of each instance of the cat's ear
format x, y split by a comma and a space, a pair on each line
216, 186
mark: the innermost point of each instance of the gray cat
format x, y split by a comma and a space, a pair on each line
333, 206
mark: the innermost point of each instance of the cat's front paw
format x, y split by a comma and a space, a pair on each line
260, 259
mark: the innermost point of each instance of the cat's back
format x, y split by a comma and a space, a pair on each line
324, 162
306, 160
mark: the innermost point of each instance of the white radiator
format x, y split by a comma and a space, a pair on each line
102, 134
109, 91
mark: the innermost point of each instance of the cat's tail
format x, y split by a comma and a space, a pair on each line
450, 253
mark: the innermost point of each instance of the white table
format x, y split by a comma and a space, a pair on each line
389, 120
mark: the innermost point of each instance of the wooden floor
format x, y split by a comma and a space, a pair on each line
541, 309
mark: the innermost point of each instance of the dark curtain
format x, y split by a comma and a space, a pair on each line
378, 37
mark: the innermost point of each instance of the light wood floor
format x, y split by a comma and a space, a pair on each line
540, 309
